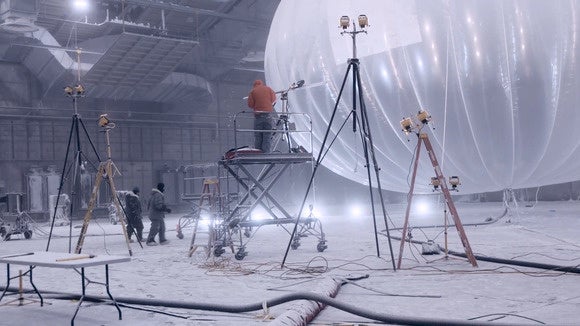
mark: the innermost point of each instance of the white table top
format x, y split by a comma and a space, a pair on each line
61, 259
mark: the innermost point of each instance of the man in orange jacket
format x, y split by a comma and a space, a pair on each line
261, 100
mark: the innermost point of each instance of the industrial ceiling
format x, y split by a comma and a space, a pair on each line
162, 53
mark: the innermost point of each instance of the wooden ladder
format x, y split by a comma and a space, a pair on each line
105, 173
423, 138
210, 193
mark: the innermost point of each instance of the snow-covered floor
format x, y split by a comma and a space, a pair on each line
426, 286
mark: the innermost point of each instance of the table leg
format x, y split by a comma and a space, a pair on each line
109, 292
7, 281
72, 321
34, 286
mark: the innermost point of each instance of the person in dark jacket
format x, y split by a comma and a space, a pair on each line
157, 210
261, 100
134, 218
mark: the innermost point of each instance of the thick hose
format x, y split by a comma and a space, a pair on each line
522, 263
568, 269
302, 312
382, 317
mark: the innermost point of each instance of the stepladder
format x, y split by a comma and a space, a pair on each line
105, 173
423, 139
204, 218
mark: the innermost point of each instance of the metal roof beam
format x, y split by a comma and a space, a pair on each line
186, 9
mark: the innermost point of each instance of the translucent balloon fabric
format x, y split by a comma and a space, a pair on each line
500, 79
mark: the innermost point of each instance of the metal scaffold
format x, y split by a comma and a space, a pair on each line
242, 181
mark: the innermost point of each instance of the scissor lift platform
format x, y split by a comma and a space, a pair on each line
256, 185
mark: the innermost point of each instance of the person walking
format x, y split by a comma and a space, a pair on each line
261, 100
157, 210
134, 217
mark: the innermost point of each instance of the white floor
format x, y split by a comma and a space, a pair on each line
426, 286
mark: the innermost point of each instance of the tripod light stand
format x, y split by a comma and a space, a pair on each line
283, 119
365, 133
74, 92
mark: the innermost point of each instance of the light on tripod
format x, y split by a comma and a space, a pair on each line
454, 182
435, 183
363, 21
344, 22
407, 125
77, 90
423, 116
104, 122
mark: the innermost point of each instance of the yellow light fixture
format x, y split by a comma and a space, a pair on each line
423, 116
407, 125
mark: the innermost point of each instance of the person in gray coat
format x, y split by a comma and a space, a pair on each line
157, 210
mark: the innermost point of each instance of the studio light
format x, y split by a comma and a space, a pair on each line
105, 122
356, 211
204, 219
454, 182
363, 21
80, 5
422, 207
407, 125
259, 214
74, 91
344, 22
435, 183
423, 116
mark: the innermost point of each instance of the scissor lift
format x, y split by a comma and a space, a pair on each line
255, 175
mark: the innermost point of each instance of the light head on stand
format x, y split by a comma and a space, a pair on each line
105, 123
407, 125
363, 21
344, 22
454, 182
435, 183
74, 91
423, 116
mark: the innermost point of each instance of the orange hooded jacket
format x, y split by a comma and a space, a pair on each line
261, 97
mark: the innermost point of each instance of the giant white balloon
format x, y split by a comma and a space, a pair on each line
500, 79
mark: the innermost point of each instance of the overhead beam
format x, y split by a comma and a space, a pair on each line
52, 47
190, 10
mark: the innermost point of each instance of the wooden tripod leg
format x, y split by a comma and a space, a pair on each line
120, 215
89, 213
409, 201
